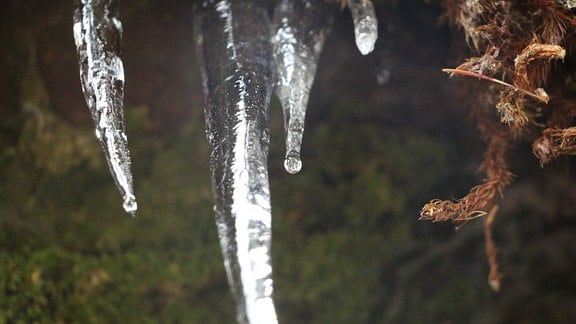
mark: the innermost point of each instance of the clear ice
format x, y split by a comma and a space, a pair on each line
233, 42
365, 24
299, 30
97, 35
244, 58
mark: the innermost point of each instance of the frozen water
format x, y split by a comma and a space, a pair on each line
365, 24
241, 64
244, 56
293, 163
299, 30
97, 35
238, 76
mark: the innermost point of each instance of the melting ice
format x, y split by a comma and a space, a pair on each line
299, 30
365, 24
244, 58
238, 76
241, 65
97, 35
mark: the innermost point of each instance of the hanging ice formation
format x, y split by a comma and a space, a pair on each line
244, 58
97, 34
241, 64
238, 75
299, 30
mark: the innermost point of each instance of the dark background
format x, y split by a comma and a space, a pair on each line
348, 246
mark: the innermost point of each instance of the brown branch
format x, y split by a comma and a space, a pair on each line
539, 95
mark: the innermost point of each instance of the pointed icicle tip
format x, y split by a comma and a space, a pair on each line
130, 205
97, 35
299, 31
293, 163
365, 24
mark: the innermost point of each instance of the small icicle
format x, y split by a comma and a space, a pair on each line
97, 35
300, 28
365, 24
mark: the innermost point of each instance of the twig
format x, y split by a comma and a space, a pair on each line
540, 97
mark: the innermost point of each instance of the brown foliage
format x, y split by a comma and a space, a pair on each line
522, 46
497, 177
554, 142
519, 40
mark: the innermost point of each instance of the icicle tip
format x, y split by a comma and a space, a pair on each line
365, 42
365, 24
130, 205
293, 163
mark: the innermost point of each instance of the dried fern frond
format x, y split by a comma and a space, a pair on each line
554, 142
535, 51
497, 178
481, 20
511, 109
518, 41
554, 20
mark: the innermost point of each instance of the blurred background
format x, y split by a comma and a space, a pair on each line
385, 134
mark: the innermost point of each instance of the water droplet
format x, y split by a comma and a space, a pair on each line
130, 205
299, 29
292, 163
365, 24
365, 41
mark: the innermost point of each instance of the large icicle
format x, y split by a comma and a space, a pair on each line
238, 75
365, 24
97, 34
300, 28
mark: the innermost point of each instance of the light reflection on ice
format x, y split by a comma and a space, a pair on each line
97, 33
299, 31
365, 24
240, 64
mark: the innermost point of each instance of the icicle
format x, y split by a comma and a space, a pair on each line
97, 34
300, 28
365, 24
238, 75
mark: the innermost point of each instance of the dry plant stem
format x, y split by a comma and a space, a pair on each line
540, 97
494, 277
